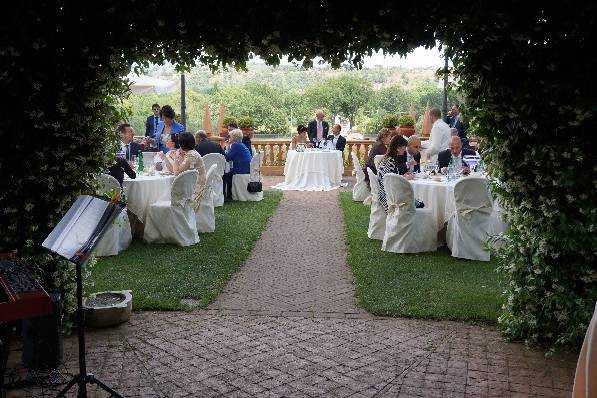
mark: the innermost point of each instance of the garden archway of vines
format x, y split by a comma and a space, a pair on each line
522, 67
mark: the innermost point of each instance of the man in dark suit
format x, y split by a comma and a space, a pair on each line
151, 124
205, 146
318, 129
337, 139
152, 121
130, 148
455, 153
412, 155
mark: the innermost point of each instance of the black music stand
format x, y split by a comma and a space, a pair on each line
74, 239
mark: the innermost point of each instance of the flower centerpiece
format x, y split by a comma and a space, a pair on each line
406, 125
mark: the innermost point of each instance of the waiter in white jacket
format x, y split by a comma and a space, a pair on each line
439, 139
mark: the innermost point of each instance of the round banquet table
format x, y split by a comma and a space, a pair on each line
312, 170
144, 190
438, 196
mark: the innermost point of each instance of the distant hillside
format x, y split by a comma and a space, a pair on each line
289, 77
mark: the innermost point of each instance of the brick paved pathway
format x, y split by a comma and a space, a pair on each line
288, 327
299, 264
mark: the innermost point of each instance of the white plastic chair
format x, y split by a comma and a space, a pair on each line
204, 211
377, 216
470, 224
118, 236
377, 159
240, 181
360, 191
219, 160
174, 221
408, 229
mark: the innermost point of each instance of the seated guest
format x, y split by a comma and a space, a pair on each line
379, 148
337, 139
453, 132
120, 167
240, 157
455, 152
247, 136
205, 146
130, 148
300, 137
413, 154
166, 127
394, 161
187, 158
168, 158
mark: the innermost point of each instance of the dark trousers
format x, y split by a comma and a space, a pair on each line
227, 178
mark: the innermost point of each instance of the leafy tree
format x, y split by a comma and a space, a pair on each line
344, 95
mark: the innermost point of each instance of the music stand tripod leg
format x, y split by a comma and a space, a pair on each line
83, 378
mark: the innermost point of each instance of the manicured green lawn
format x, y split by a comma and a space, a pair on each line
161, 275
429, 285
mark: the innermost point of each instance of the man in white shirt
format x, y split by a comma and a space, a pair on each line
440, 136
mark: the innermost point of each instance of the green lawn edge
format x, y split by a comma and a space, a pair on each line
426, 286
160, 275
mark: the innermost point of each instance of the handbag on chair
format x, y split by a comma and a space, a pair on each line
254, 186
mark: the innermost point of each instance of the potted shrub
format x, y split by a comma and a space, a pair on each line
390, 122
224, 128
406, 125
246, 124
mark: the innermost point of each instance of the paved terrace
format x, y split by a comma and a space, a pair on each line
287, 325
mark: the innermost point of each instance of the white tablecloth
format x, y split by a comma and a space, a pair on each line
145, 190
312, 171
437, 196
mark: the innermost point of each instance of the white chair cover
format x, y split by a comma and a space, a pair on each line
408, 230
585, 380
377, 159
377, 217
204, 212
219, 160
118, 236
240, 181
174, 221
360, 190
470, 224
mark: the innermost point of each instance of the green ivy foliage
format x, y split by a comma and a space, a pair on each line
522, 66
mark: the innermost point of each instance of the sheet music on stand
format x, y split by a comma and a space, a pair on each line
82, 226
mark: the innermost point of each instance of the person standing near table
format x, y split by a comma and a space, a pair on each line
166, 127
440, 135
318, 128
151, 126
337, 139
130, 148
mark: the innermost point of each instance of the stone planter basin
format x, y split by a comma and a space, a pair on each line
105, 309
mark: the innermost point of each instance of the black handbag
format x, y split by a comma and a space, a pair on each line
254, 186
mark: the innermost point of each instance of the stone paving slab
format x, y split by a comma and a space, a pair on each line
199, 354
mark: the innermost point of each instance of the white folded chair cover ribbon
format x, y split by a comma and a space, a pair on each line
408, 229
174, 221
204, 211
469, 226
377, 216
467, 211
360, 192
217, 186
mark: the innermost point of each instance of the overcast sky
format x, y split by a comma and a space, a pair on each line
419, 58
